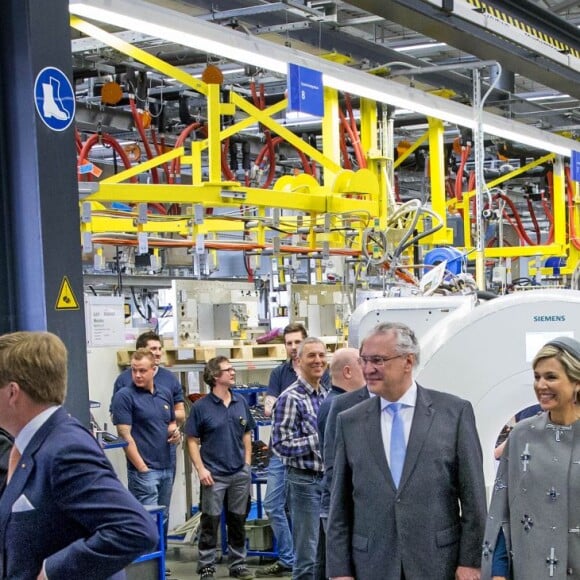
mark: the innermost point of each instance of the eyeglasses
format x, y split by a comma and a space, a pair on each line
377, 360
228, 370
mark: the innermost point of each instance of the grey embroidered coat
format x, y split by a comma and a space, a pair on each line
536, 501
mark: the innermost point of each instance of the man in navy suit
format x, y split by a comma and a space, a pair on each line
64, 513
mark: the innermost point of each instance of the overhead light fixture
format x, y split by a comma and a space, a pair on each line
115, 13
546, 97
533, 137
243, 48
420, 46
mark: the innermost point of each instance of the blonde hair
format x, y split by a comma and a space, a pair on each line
37, 361
570, 363
143, 353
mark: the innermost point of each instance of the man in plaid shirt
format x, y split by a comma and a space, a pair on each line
295, 440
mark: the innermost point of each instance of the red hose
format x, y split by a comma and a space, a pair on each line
141, 131
226, 171
159, 207
159, 151
574, 240
176, 163
519, 227
546, 205
353, 126
109, 140
361, 161
534, 221
346, 163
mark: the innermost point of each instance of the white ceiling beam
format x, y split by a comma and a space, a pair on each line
213, 39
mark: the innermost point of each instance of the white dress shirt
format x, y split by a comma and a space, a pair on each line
29, 430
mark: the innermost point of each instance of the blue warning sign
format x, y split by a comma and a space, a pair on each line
54, 98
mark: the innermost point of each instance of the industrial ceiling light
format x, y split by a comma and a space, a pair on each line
547, 97
114, 13
420, 46
214, 39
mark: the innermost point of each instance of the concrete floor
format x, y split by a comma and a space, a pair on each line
182, 561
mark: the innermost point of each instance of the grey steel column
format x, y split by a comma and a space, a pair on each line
38, 191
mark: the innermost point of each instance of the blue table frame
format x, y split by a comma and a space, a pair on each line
157, 512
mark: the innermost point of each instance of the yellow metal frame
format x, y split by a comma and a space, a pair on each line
348, 193
354, 199
559, 247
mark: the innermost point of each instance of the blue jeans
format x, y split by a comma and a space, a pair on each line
152, 488
275, 506
304, 495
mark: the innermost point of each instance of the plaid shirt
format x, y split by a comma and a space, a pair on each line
294, 430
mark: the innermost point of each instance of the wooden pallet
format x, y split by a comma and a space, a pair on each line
258, 351
201, 354
241, 352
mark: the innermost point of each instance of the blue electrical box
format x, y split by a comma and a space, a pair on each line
305, 90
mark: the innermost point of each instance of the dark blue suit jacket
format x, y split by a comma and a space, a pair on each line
338, 404
64, 504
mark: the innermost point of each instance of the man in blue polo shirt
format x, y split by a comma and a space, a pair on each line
164, 379
219, 440
275, 500
145, 419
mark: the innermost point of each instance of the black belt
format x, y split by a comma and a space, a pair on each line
304, 470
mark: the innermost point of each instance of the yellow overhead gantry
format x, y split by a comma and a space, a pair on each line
354, 200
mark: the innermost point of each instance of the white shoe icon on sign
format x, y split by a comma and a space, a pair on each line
52, 106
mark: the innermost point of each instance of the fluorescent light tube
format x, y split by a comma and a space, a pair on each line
421, 46
243, 48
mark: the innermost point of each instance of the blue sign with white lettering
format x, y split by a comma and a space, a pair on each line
54, 98
305, 90
575, 165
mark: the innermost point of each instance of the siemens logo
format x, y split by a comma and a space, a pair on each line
555, 318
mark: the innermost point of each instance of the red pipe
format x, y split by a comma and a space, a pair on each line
109, 140
176, 163
353, 139
575, 241
520, 227
159, 150
355, 131
534, 221
346, 162
141, 131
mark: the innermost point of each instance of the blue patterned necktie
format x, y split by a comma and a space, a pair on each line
398, 445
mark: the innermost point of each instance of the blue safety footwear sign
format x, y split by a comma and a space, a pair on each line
54, 98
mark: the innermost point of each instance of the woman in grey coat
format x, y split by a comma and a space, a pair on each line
533, 527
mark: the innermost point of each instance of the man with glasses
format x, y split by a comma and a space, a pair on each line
408, 494
219, 441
